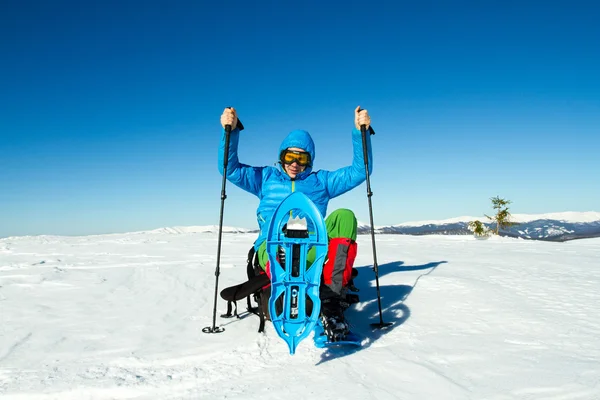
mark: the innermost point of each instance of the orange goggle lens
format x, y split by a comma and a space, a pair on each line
289, 157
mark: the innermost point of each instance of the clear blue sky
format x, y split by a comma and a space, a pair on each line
109, 110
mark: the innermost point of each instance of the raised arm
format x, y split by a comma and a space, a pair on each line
344, 179
244, 176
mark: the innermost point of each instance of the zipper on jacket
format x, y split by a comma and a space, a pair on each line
293, 188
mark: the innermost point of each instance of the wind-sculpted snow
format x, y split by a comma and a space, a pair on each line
120, 317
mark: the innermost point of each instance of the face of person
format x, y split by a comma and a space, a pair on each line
294, 168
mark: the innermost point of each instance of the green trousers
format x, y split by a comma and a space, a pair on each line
340, 224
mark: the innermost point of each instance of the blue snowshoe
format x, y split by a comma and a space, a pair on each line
322, 339
294, 305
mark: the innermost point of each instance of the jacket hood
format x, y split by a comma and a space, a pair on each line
302, 140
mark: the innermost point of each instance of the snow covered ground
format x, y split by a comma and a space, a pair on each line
121, 316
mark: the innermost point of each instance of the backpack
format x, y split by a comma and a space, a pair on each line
257, 288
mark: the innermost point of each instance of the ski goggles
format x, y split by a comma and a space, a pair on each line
300, 157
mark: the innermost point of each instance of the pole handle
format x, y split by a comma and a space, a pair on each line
240, 126
363, 128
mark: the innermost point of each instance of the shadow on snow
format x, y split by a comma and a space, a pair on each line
393, 309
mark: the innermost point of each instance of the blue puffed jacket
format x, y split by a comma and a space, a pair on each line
272, 184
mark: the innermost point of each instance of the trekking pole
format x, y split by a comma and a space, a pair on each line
214, 328
363, 131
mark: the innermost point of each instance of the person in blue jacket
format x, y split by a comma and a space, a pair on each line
295, 173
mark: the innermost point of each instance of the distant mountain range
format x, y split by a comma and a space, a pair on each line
556, 227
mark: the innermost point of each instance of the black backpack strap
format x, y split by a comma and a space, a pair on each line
256, 266
253, 270
250, 273
261, 315
229, 314
250, 263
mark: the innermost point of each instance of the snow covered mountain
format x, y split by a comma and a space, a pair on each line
198, 229
558, 227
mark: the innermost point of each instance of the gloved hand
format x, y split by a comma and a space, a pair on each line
229, 117
361, 117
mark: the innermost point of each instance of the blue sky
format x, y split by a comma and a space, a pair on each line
109, 111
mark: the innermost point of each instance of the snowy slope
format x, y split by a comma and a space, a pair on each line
120, 317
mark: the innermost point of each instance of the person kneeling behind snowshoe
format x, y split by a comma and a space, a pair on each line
338, 271
272, 184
